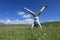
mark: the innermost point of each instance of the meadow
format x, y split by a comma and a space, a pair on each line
50, 31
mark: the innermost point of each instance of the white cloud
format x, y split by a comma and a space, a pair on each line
17, 21
5, 21
22, 14
28, 21
26, 16
51, 20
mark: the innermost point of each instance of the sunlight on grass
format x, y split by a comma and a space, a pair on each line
13, 32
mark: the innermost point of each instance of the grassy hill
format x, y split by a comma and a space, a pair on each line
50, 31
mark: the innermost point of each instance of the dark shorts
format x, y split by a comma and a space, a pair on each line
36, 24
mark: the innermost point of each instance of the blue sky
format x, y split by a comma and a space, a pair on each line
14, 10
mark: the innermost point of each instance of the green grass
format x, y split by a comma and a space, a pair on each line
50, 31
